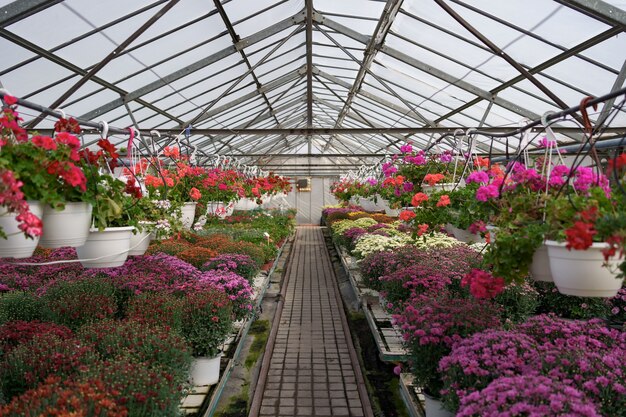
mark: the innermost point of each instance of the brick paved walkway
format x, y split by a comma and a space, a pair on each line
311, 371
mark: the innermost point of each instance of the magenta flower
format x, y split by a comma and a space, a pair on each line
479, 177
487, 192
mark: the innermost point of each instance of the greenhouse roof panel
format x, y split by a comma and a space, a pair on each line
352, 64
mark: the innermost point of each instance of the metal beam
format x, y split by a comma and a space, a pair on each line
235, 38
599, 10
414, 62
370, 96
608, 105
544, 65
112, 55
383, 26
278, 82
365, 130
250, 71
20, 9
196, 66
75, 69
499, 52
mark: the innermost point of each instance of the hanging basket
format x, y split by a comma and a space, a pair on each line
105, 249
188, 213
245, 204
464, 235
446, 186
540, 267
67, 227
581, 272
205, 371
230, 208
139, 242
17, 245
216, 208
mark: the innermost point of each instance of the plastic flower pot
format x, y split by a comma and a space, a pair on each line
105, 249
17, 245
540, 267
230, 208
139, 242
464, 235
67, 227
446, 186
245, 204
205, 371
188, 213
367, 204
434, 407
582, 272
216, 208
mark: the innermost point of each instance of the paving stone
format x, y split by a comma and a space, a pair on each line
287, 394
357, 412
304, 411
285, 411
341, 411
310, 371
322, 411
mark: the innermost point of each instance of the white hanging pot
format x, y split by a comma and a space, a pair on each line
205, 371
139, 242
105, 249
392, 212
67, 227
367, 204
446, 186
581, 272
17, 245
540, 267
464, 235
230, 208
216, 208
434, 407
245, 204
188, 213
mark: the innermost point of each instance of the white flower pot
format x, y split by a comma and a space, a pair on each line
216, 208
434, 407
188, 213
446, 186
581, 272
464, 235
540, 267
245, 204
205, 371
367, 204
139, 243
230, 208
392, 212
105, 249
17, 245
67, 227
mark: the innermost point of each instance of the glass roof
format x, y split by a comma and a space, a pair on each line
354, 79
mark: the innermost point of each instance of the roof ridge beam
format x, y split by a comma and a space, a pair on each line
392, 7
